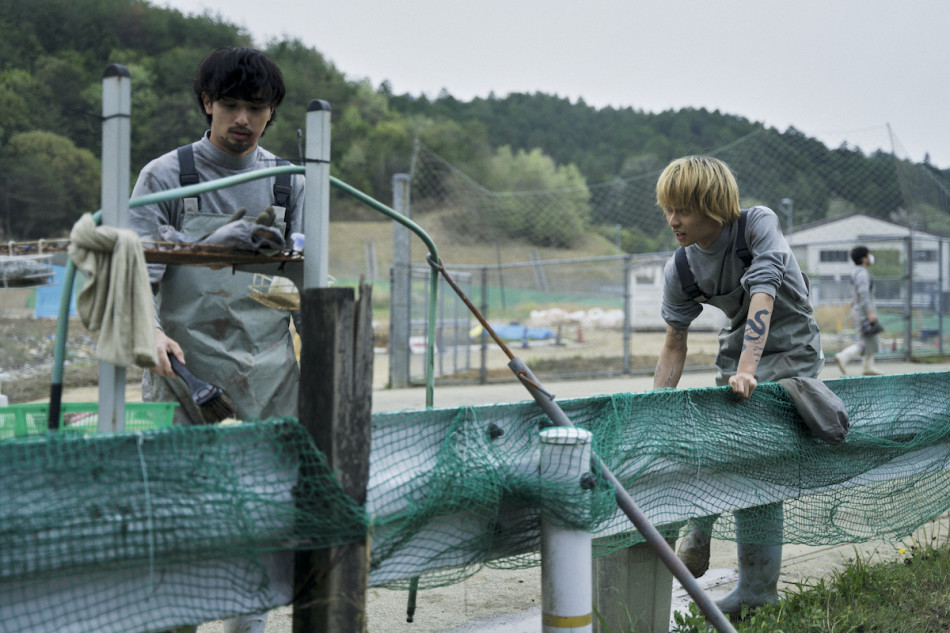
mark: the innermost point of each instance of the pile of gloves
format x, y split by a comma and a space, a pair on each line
258, 236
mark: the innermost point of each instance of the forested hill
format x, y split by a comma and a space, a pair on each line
603, 143
53, 53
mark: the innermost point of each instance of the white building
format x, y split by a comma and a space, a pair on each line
823, 250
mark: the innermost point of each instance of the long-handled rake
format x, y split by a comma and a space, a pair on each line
626, 503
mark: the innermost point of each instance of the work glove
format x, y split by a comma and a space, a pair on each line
239, 234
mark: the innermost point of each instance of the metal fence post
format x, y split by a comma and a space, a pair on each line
627, 308
909, 304
939, 301
116, 133
400, 288
317, 195
483, 339
566, 573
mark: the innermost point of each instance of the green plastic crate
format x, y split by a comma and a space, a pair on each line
25, 420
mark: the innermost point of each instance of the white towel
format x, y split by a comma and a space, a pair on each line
116, 299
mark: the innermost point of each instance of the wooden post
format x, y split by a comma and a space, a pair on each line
633, 591
336, 367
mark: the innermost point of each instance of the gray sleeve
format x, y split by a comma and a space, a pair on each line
159, 175
677, 309
771, 254
862, 289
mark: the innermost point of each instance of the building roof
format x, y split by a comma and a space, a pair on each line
856, 225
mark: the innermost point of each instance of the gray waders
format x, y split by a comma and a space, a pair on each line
231, 341
759, 549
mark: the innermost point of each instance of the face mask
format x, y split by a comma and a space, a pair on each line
871, 258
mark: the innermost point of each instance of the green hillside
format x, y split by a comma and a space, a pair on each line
53, 54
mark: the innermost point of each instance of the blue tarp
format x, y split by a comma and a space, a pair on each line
518, 332
48, 297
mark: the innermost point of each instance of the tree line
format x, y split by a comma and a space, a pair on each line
53, 54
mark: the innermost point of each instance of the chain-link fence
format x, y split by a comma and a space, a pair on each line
571, 316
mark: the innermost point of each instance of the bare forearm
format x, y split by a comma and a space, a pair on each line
756, 332
669, 367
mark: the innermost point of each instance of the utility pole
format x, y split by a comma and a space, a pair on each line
787, 209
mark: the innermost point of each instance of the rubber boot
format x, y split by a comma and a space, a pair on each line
759, 564
844, 357
694, 548
246, 624
869, 368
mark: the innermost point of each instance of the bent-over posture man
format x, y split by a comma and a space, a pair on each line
772, 334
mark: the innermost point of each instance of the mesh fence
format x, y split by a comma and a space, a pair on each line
680, 453
827, 201
145, 531
181, 525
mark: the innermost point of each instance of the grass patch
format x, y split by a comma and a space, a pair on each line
909, 594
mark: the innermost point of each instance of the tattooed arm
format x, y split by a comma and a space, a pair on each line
756, 333
669, 367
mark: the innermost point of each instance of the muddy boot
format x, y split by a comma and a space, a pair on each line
246, 624
759, 565
694, 548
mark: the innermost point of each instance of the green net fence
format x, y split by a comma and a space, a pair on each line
145, 530
551, 257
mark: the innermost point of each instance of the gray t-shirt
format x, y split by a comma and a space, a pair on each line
793, 347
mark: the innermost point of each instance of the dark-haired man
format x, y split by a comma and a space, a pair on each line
863, 313
206, 316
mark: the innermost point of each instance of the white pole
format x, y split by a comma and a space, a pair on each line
401, 288
317, 196
566, 574
116, 132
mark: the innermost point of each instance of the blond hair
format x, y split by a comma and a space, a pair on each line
700, 183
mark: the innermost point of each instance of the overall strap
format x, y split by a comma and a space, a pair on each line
742, 249
282, 188
688, 280
188, 175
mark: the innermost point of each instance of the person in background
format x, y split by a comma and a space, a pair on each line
205, 317
772, 334
864, 315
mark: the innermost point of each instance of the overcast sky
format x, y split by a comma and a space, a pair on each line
837, 70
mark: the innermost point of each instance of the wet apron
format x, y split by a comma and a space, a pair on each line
793, 348
229, 339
